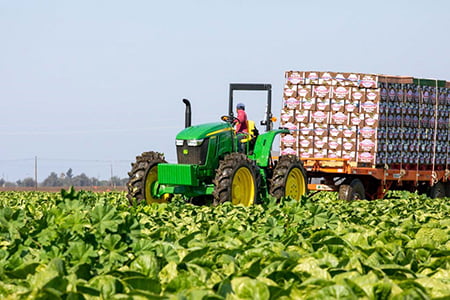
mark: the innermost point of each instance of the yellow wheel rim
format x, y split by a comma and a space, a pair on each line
243, 187
150, 180
295, 184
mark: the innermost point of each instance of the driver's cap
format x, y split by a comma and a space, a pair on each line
240, 106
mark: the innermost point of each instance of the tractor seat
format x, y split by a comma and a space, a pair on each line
252, 132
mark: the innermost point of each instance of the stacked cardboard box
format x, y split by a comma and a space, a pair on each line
368, 119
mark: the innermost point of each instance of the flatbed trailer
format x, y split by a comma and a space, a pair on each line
337, 174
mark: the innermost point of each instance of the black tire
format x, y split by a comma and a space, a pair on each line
447, 189
236, 171
145, 164
289, 178
437, 191
353, 191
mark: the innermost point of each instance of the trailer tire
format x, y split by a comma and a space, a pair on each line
143, 174
353, 191
289, 178
437, 191
236, 180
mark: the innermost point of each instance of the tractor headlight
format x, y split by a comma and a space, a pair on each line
179, 142
195, 142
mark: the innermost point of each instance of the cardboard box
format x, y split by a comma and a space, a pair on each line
302, 116
369, 107
349, 132
371, 120
320, 153
335, 131
322, 91
366, 157
311, 77
289, 141
320, 142
337, 105
304, 91
339, 79
349, 144
306, 142
335, 144
339, 118
334, 154
356, 119
295, 77
358, 94
287, 115
305, 152
290, 125
321, 130
368, 81
366, 145
308, 104
352, 79
320, 117
306, 129
372, 95
323, 104
367, 132
351, 106
350, 155
288, 151
292, 103
341, 92
290, 90
326, 78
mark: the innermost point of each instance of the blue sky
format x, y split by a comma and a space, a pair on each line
89, 85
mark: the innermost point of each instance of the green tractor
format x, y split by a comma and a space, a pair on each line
213, 168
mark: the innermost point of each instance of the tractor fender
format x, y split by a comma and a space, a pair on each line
263, 146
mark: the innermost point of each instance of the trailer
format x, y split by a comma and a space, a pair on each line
365, 134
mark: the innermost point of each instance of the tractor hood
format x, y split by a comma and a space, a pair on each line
203, 131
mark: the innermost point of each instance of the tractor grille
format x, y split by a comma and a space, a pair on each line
192, 155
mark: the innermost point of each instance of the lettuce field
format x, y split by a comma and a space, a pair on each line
86, 245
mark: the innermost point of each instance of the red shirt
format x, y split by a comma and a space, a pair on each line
241, 126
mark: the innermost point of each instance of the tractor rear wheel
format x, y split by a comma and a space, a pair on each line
289, 178
353, 191
236, 180
142, 178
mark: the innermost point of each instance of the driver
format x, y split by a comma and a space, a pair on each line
241, 126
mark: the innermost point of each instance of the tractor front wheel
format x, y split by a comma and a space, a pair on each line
289, 178
143, 177
236, 180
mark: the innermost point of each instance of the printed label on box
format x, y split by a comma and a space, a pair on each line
369, 107
288, 151
341, 92
351, 106
339, 118
321, 91
295, 78
292, 103
286, 115
302, 117
366, 145
319, 117
288, 140
367, 132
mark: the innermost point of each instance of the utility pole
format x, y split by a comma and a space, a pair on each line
35, 173
112, 185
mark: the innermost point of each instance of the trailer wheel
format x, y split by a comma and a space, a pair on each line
289, 178
236, 180
353, 191
437, 191
143, 176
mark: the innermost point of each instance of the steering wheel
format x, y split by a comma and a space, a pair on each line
229, 119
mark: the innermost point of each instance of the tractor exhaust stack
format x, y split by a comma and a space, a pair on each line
188, 113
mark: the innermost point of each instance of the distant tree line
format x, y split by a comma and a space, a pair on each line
65, 179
